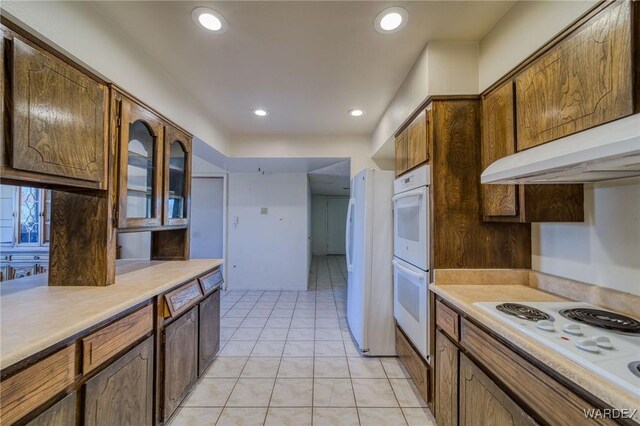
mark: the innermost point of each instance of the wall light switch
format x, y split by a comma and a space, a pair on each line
264, 210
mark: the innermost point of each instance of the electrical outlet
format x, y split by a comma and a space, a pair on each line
264, 210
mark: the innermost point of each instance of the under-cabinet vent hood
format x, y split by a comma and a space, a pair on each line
609, 151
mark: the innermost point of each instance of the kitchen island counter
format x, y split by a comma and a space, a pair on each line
35, 317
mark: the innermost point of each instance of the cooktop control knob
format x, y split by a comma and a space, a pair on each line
545, 325
588, 345
573, 329
603, 342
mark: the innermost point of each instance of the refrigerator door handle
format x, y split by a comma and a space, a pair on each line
347, 238
417, 276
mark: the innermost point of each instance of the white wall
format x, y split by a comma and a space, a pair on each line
135, 245
267, 251
77, 29
605, 250
357, 147
442, 68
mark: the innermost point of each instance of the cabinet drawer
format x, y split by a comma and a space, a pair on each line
447, 320
27, 390
535, 388
211, 281
414, 364
100, 346
181, 299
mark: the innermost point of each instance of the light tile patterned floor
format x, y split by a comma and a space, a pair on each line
287, 358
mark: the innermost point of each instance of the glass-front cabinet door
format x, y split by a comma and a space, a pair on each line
177, 177
140, 171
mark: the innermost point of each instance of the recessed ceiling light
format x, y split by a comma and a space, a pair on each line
356, 112
260, 112
391, 20
209, 19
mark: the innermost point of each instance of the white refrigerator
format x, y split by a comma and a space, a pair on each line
369, 252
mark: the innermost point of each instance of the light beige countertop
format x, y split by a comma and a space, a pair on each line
35, 316
463, 289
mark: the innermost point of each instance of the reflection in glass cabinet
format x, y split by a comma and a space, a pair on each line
140, 171
29, 215
177, 181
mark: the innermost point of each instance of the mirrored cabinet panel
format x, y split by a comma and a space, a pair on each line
177, 176
141, 136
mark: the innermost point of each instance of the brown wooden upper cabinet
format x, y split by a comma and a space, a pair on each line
140, 154
412, 144
584, 80
401, 153
55, 124
417, 145
177, 177
519, 203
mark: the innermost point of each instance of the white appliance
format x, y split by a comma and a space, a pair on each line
411, 256
609, 151
369, 253
411, 217
410, 303
604, 342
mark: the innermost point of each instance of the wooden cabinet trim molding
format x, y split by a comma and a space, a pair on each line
26, 390
102, 345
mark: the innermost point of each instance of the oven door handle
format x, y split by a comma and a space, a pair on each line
413, 193
409, 272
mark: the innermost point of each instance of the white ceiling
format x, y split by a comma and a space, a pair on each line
306, 62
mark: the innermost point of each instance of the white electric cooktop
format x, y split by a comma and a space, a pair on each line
604, 342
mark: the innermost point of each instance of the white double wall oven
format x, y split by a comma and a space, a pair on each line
411, 255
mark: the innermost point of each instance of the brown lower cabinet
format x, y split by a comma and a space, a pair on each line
61, 413
483, 403
209, 334
134, 369
446, 389
499, 387
122, 394
180, 359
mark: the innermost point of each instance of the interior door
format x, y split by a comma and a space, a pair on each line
336, 224
207, 218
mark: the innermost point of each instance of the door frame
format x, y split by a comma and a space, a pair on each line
225, 212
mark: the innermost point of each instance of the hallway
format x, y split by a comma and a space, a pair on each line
287, 358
